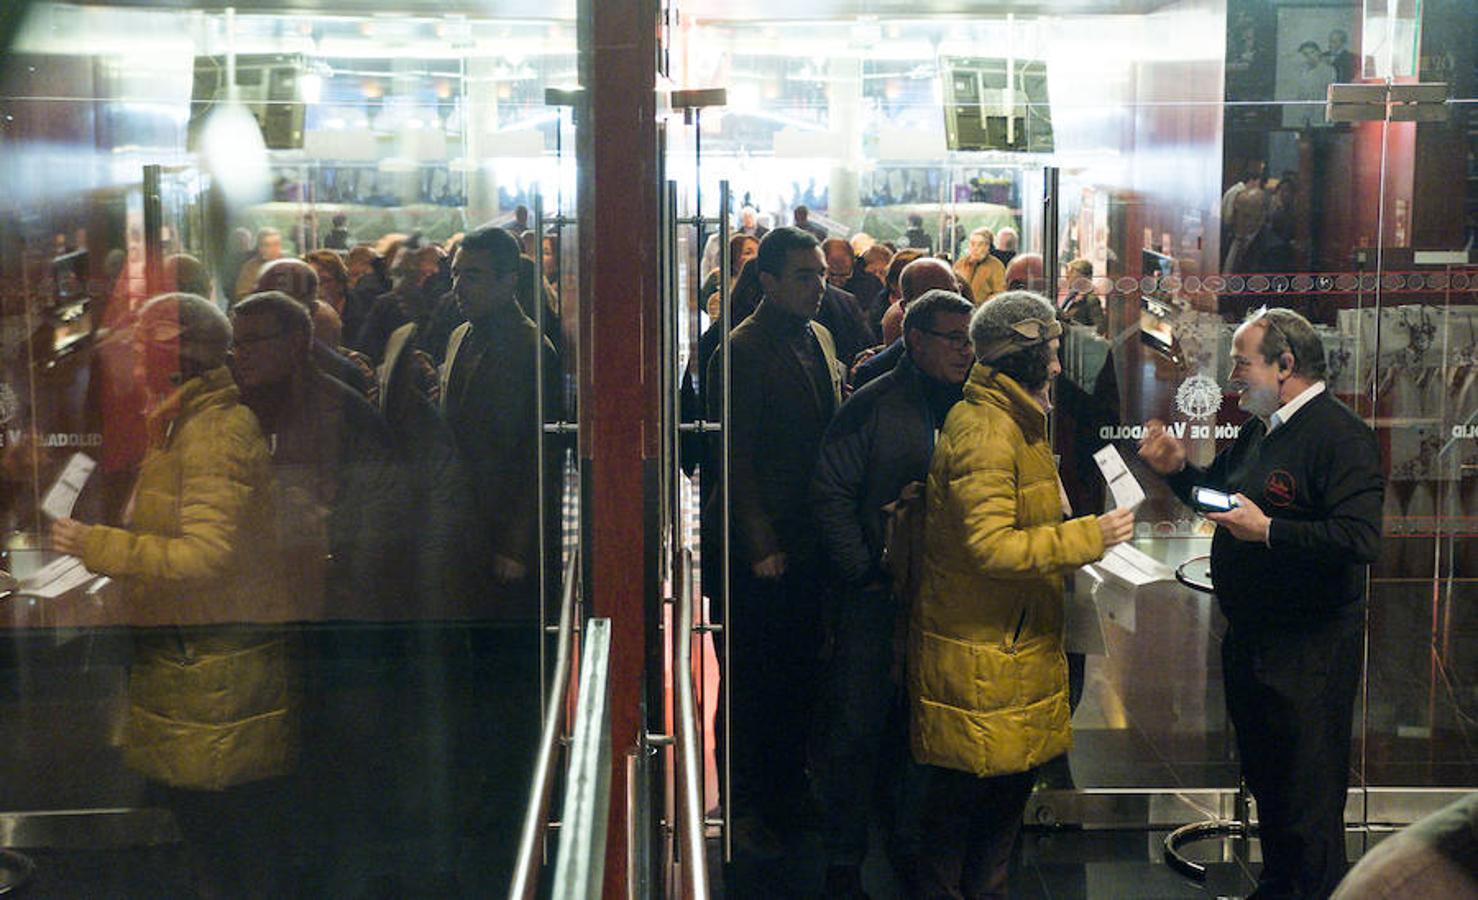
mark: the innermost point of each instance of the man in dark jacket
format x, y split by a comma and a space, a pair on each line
299, 281
880, 441
337, 488
488, 395
785, 386
917, 278
416, 286
1289, 564
840, 312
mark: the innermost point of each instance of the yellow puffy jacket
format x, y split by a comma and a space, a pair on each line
209, 707
987, 675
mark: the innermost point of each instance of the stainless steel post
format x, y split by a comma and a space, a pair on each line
539, 399
726, 540
1050, 210
670, 382
689, 805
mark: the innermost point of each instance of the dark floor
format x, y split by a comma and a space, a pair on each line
1061, 864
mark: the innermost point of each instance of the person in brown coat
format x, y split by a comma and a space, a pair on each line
785, 386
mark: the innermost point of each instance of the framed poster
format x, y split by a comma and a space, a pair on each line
1312, 52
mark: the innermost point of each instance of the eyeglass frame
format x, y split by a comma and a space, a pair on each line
956, 340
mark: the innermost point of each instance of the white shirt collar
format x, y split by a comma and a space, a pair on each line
1286, 411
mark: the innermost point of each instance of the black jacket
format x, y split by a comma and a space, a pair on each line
778, 417
879, 365
1318, 477
880, 440
339, 494
843, 317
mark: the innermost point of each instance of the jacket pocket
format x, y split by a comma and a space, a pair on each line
1013, 676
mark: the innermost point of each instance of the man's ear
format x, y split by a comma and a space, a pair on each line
769, 282
1285, 362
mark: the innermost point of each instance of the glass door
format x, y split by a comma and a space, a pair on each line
372, 520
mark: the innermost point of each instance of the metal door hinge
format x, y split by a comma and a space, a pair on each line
1393, 102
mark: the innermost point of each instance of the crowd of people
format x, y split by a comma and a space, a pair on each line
900, 539
344, 437
349, 436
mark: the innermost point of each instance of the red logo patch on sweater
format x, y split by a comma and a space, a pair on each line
1280, 488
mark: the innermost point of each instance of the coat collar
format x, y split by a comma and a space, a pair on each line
778, 321
212, 388
988, 386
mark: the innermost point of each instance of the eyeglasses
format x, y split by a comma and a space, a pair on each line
957, 340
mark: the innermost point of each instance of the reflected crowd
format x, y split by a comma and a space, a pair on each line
316, 509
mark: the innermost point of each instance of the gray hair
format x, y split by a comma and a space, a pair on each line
1285, 331
1006, 238
205, 332
923, 312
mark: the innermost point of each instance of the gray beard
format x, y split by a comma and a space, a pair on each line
1260, 403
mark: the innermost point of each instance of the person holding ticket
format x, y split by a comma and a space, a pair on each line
1302, 520
212, 694
988, 682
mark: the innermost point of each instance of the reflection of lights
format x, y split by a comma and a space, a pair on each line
372, 89
505, 91
233, 153
335, 124
443, 88
744, 96
414, 124
310, 87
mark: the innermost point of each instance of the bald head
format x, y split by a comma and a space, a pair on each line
293, 277
1025, 273
923, 275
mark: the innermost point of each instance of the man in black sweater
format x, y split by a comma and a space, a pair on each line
1288, 563
881, 440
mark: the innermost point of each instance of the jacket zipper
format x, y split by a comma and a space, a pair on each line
1020, 623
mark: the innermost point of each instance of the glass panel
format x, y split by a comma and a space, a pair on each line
325, 525
1420, 726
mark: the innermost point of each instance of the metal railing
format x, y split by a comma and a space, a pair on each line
579, 864
693, 862
536, 815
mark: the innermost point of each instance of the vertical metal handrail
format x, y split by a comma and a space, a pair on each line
1051, 208
689, 741
536, 815
540, 476
580, 862
726, 538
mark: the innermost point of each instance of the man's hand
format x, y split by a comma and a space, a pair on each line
1117, 526
507, 569
1246, 522
68, 536
1160, 450
772, 566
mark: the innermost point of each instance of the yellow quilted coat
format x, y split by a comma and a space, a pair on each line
211, 704
987, 675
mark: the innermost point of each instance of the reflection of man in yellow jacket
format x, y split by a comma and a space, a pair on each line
980, 269
212, 703
987, 674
